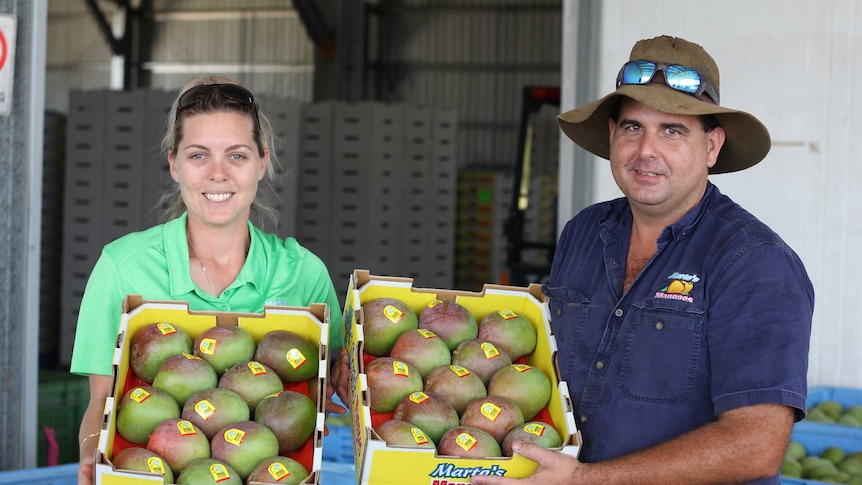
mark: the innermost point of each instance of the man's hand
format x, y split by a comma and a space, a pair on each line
554, 468
339, 378
338, 383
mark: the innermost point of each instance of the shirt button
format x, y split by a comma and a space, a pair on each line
224, 308
600, 365
559, 311
583, 418
618, 312
659, 325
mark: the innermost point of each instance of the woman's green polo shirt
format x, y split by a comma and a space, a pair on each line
155, 264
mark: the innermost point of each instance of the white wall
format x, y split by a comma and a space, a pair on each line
796, 65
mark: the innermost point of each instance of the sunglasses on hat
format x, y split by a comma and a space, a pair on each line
681, 78
231, 92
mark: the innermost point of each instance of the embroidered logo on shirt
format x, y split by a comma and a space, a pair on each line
679, 287
275, 303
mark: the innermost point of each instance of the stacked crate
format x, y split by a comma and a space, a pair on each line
285, 117
540, 218
378, 189
484, 198
315, 178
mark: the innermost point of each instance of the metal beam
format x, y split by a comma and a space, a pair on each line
314, 21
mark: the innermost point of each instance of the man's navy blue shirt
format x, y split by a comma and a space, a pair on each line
719, 318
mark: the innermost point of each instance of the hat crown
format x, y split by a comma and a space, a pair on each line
673, 50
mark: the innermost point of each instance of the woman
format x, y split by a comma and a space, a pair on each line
208, 253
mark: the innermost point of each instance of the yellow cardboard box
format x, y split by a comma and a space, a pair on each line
310, 322
380, 464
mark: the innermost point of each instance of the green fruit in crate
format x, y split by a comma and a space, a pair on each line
430, 412
291, 416
223, 346
289, 354
179, 442
468, 442
243, 445
396, 432
456, 384
821, 470
252, 380
153, 344
791, 469
383, 321
493, 414
851, 466
481, 357
212, 409
389, 381
183, 375
818, 415
209, 471
850, 420
855, 411
279, 469
450, 321
834, 454
422, 348
796, 450
527, 386
510, 331
141, 410
142, 460
536, 432
833, 409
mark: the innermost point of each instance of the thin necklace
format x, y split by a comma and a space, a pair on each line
206, 275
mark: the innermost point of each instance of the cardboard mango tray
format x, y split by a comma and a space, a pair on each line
310, 322
380, 464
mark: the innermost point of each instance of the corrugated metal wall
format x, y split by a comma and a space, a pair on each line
470, 55
475, 56
791, 64
260, 42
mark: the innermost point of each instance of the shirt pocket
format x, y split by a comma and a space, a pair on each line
662, 351
569, 309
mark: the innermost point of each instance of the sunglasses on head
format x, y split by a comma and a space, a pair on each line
681, 78
231, 92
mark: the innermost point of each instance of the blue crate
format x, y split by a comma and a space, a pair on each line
846, 396
337, 474
54, 475
817, 439
338, 445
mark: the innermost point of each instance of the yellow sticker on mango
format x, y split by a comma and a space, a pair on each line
295, 358
393, 314
139, 395
490, 351
490, 410
208, 346
205, 409
234, 436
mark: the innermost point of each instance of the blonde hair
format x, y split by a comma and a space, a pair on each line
171, 204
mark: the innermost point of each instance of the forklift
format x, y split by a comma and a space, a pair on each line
517, 271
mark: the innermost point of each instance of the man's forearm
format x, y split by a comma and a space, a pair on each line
744, 444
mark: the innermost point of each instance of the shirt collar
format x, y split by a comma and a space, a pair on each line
618, 214
177, 255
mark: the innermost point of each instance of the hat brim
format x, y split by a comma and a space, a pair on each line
747, 141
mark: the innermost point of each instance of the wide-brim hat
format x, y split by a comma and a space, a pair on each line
747, 141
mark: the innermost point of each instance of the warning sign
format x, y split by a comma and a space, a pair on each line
7, 62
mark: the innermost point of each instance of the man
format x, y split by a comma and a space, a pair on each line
682, 321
